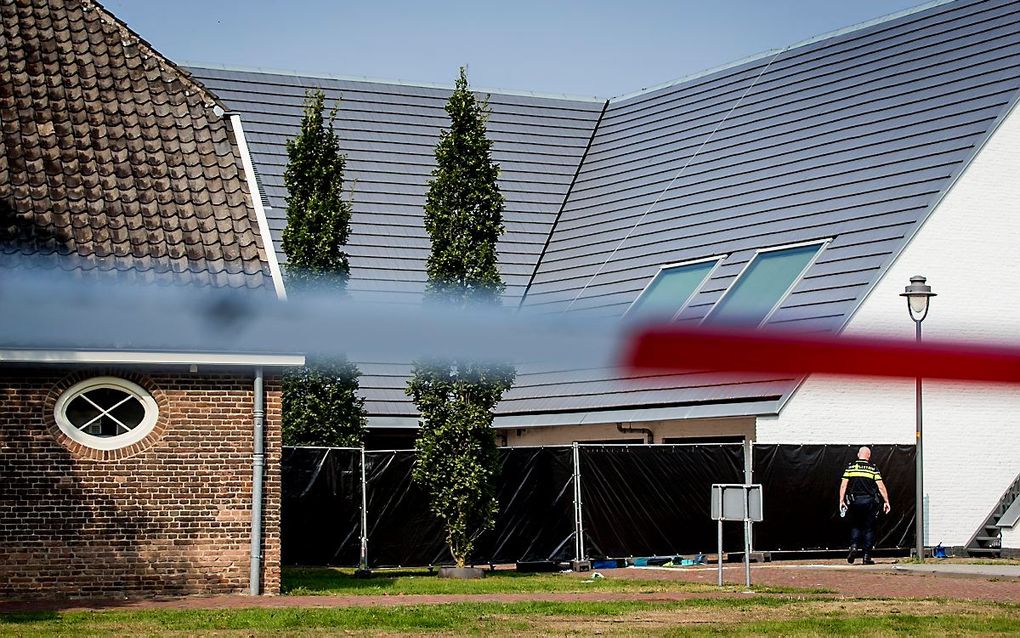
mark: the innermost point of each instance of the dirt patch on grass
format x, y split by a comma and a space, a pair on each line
656, 621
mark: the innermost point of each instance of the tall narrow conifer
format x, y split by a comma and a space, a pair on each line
321, 405
456, 462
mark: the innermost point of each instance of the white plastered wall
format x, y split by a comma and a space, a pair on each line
969, 249
1011, 537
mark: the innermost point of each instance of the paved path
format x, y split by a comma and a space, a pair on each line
884, 580
946, 569
989, 571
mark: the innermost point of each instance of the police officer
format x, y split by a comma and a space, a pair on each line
859, 493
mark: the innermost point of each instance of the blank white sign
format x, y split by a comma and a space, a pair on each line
736, 502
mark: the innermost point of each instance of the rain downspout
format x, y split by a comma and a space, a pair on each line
258, 458
630, 429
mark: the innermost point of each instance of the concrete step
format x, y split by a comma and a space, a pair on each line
985, 551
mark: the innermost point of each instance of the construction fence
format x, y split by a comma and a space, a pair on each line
350, 507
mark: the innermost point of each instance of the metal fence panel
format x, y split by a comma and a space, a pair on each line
321, 506
636, 500
801, 493
647, 500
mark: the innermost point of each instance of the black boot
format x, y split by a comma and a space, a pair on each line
866, 560
852, 556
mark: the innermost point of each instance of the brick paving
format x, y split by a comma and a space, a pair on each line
884, 581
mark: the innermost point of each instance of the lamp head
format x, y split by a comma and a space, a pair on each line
917, 293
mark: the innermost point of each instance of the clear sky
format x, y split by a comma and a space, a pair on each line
593, 47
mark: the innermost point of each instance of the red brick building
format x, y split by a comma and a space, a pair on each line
122, 472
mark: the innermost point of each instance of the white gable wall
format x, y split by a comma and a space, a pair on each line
1011, 537
969, 249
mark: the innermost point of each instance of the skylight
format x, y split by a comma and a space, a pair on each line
671, 289
763, 285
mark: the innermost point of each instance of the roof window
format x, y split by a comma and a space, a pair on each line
765, 282
668, 293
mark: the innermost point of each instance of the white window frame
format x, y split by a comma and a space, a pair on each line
134, 435
718, 259
821, 243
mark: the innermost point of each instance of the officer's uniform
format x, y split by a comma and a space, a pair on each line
864, 502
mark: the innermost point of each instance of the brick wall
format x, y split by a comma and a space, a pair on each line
169, 517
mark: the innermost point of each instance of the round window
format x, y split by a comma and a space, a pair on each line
106, 413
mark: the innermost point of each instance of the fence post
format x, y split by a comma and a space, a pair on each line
578, 511
363, 560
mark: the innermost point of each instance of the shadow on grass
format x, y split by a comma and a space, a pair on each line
22, 617
312, 580
330, 579
302, 581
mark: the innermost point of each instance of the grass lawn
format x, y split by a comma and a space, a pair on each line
330, 581
755, 616
806, 613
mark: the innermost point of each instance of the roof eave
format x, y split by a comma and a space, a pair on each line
127, 357
767, 407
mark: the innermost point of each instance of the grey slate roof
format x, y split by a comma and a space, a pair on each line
389, 132
853, 137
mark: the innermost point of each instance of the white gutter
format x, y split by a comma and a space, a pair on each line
256, 202
749, 409
124, 357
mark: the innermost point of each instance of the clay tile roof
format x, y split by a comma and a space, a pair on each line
113, 158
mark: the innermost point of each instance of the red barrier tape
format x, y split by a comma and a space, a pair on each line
674, 349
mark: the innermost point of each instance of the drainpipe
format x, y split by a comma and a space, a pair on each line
630, 429
258, 459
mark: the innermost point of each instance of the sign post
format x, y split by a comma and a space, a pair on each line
720, 553
737, 502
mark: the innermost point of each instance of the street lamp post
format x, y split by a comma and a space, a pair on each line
918, 294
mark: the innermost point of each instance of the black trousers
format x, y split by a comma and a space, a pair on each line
862, 512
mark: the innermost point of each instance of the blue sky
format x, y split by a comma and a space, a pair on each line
593, 47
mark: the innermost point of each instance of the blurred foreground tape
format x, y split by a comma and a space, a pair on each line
672, 349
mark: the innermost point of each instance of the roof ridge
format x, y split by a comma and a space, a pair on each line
860, 26
364, 78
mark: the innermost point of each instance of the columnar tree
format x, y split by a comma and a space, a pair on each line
456, 462
321, 405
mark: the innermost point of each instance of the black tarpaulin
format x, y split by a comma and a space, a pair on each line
536, 507
322, 501
800, 486
636, 500
321, 506
402, 531
655, 500
535, 519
